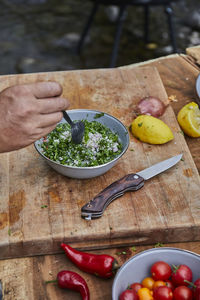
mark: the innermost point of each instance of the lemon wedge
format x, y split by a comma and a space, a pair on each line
151, 130
189, 119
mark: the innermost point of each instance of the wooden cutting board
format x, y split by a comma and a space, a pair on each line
39, 208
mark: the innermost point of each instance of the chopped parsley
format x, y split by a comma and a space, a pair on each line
158, 245
180, 131
99, 145
120, 253
97, 116
44, 206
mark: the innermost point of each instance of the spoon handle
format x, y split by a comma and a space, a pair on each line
67, 118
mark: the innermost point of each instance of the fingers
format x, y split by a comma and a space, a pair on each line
51, 105
47, 130
49, 120
45, 89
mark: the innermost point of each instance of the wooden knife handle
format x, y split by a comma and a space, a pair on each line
113, 191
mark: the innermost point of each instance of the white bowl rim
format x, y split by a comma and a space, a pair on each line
94, 167
150, 250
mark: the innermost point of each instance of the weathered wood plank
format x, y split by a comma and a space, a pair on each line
194, 52
168, 202
24, 278
179, 78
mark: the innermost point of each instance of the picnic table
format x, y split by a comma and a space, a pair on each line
26, 264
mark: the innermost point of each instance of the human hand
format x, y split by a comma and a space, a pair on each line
29, 112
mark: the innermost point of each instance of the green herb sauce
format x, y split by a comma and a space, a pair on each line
99, 145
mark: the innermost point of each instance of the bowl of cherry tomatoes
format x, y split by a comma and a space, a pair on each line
159, 274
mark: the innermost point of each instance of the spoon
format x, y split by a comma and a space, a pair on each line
77, 129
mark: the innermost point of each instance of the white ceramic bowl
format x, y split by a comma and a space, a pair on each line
138, 267
88, 172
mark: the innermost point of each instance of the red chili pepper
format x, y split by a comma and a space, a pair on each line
100, 265
73, 281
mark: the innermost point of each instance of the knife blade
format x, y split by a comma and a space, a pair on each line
131, 182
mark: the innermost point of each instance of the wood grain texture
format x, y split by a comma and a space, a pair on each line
179, 76
166, 208
194, 52
24, 278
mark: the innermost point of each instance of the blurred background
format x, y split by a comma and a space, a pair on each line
42, 35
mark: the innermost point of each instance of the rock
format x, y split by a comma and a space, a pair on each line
43, 63
112, 12
29, 1
25, 64
194, 38
167, 49
41, 35
69, 40
192, 19
37, 1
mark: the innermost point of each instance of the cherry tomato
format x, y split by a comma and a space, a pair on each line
182, 293
158, 283
161, 271
148, 282
128, 295
196, 293
163, 293
180, 274
197, 282
196, 289
170, 284
136, 286
145, 294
